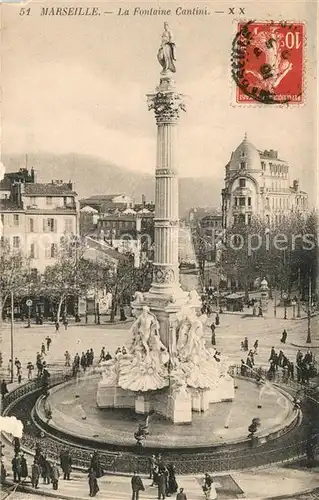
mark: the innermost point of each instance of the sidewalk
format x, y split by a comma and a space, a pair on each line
256, 485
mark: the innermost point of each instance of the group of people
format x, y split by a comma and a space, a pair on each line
80, 362
305, 366
163, 476
280, 360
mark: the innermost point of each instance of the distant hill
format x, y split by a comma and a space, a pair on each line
91, 175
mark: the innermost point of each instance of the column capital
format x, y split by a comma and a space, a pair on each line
166, 105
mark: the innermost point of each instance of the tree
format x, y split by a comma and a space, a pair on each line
14, 274
125, 280
71, 276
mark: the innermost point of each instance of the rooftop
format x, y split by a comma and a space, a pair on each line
49, 189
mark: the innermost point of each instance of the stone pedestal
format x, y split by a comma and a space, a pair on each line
114, 397
179, 407
142, 404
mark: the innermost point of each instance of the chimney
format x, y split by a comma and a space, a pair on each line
143, 200
70, 185
33, 176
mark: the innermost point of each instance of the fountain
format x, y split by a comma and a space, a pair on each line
167, 368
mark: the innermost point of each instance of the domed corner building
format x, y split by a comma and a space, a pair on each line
257, 184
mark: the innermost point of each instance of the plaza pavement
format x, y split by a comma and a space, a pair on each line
256, 484
232, 330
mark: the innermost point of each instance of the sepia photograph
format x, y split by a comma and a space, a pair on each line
159, 291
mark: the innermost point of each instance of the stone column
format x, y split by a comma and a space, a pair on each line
167, 104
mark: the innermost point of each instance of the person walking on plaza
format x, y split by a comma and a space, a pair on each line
57, 326
213, 328
24, 467
30, 369
45, 470
96, 465
67, 358
102, 355
55, 474
209, 488
66, 464
172, 485
93, 484
137, 486
3, 473
246, 346
283, 337
83, 362
16, 468
4, 389
43, 349
35, 474
256, 346
217, 319
65, 323
48, 341
272, 354
161, 484
181, 495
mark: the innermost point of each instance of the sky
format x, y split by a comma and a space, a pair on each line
79, 85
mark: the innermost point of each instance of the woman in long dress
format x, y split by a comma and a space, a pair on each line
166, 52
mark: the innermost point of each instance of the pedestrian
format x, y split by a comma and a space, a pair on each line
4, 389
246, 344
30, 369
152, 462
272, 354
172, 485
16, 445
137, 486
283, 337
19, 376
217, 319
55, 474
181, 495
43, 349
48, 340
67, 358
57, 326
91, 357
93, 485
102, 355
45, 470
96, 465
35, 474
3, 473
65, 323
66, 464
17, 365
83, 361
209, 488
16, 468
308, 357
299, 357
280, 358
260, 312
24, 467
243, 368
161, 485
256, 346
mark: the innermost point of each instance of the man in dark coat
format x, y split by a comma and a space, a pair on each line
16, 468
4, 389
66, 464
137, 486
94, 487
162, 484
55, 474
96, 465
283, 337
35, 474
24, 467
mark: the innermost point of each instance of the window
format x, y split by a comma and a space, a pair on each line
32, 200
47, 251
242, 201
249, 219
236, 201
249, 201
49, 225
235, 219
16, 242
242, 165
54, 250
267, 203
49, 200
241, 219
31, 225
242, 183
65, 201
16, 219
68, 225
32, 251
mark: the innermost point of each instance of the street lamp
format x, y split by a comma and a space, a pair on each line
293, 303
11, 334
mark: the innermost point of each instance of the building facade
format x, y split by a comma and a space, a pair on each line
257, 183
35, 216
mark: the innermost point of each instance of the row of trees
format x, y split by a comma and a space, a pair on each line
72, 275
286, 254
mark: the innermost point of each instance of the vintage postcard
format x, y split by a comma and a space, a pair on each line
159, 250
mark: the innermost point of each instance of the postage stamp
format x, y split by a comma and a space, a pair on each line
267, 62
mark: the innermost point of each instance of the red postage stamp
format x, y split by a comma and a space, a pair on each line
267, 62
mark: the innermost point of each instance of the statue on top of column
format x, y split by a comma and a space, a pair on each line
166, 52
